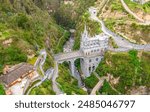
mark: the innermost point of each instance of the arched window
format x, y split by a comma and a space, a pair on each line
93, 67
96, 59
90, 60
89, 68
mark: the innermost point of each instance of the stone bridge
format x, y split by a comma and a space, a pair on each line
69, 57
90, 54
85, 60
61, 57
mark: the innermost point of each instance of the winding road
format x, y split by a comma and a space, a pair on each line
39, 63
99, 84
123, 44
55, 84
143, 22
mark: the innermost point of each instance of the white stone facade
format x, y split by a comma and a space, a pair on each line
93, 11
91, 52
93, 49
92, 46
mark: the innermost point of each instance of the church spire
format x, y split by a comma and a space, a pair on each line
85, 29
85, 33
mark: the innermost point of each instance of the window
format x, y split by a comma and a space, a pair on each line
90, 60
93, 67
96, 59
89, 68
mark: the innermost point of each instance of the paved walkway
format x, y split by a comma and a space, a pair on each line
123, 44
54, 77
99, 84
39, 63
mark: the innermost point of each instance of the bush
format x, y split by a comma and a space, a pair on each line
107, 90
2, 90
91, 81
22, 21
44, 89
69, 84
12, 55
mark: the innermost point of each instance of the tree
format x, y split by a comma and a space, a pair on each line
2, 90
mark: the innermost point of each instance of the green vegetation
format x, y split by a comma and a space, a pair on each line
125, 24
137, 70
93, 28
44, 89
107, 89
91, 81
32, 60
112, 43
33, 25
2, 91
68, 84
25, 28
48, 63
31, 85
110, 24
11, 55
145, 60
116, 6
61, 42
144, 32
136, 6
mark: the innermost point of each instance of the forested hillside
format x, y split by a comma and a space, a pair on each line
26, 26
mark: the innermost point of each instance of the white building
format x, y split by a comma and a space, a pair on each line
93, 49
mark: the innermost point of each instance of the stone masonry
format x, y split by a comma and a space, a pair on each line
90, 54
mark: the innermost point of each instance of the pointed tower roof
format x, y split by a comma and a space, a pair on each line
85, 33
85, 29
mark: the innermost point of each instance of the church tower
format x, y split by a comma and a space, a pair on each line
93, 49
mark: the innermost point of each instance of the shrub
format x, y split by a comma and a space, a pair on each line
2, 90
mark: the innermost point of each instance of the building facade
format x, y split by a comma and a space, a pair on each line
16, 77
93, 49
91, 52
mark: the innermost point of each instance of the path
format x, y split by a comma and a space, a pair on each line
39, 63
133, 14
54, 77
99, 84
123, 44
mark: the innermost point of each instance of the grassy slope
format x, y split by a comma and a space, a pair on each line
29, 28
136, 6
2, 91
119, 21
92, 27
133, 71
68, 84
91, 81
44, 89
